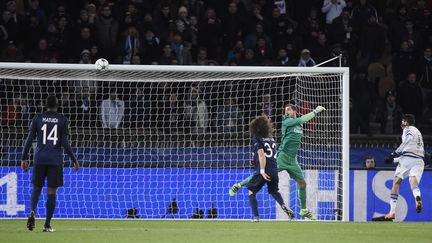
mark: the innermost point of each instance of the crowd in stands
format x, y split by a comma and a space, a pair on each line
386, 43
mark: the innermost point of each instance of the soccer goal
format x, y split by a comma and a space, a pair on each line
169, 141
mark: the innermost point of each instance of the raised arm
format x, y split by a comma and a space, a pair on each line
305, 118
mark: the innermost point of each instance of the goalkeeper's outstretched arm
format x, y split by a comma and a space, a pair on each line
305, 118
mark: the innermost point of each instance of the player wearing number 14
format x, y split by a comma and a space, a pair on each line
52, 132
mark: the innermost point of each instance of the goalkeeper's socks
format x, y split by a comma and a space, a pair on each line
302, 196
50, 206
416, 192
393, 201
254, 204
245, 181
35, 198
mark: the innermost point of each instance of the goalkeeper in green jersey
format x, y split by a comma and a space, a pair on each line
292, 134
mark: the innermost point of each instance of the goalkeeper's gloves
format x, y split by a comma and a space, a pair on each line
390, 159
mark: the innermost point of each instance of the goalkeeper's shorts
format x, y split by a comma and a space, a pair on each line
289, 163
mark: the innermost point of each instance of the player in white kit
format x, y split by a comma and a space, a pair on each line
410, 158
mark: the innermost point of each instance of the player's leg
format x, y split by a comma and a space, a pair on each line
273, 190
38, 178
393, 200
55, 180
255, 185
416, 173
237, 186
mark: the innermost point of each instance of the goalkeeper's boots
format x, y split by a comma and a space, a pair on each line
419, 204
288, 211
305, 213
255, 219
31, 221
234, 189
47, 228
388, 217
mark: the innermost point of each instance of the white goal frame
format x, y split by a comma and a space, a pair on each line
82, 70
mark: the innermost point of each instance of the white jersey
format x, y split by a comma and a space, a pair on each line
412, 143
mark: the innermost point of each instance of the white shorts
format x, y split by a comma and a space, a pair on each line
409, 167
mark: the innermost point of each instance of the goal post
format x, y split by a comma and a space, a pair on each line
150, 137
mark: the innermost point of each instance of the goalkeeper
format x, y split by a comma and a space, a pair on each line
292, 134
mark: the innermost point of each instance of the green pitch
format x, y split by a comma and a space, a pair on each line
214, 231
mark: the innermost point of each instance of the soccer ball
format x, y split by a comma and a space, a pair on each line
101, 64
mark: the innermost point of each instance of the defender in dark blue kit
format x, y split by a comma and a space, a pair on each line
266, 171
52, 132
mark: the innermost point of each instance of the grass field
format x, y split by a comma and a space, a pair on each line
214, 231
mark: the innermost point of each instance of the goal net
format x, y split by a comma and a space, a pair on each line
169, 141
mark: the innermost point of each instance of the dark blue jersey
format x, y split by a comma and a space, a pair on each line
269, 147
52, 132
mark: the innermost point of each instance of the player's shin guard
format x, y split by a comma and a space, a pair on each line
35, 197
393, 202
50, 206
246, 181
254, 204
302, 196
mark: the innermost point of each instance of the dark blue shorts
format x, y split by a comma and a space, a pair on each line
257, 182
53, 173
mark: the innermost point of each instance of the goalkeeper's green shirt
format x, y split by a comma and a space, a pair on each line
292, 133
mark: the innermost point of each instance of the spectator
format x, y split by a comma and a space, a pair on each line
282, 29
396, 26
112, 111
202, 57
321, 50
183, 24
174, 115
131, 45
341, 29
362, 99
389, 115
196, 112
85, 57
35, 31
249, 59
252, 38
230, 119
306, 59
107, 28
373, 40
151, 47
410, 96
369, 162
84, 42
424, 71
403, 62
263, 51
163, 19
181, 50
267, 107
282, 58
232, 25
12, 54
139, 109
136, 60
210, 33
236, 53
85, 21
361, 15
332, 9
312, 27
85, 109
41, 54
167, 55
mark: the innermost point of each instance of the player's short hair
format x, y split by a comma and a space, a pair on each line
410, 118
51, 102
261, 126
292, 105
